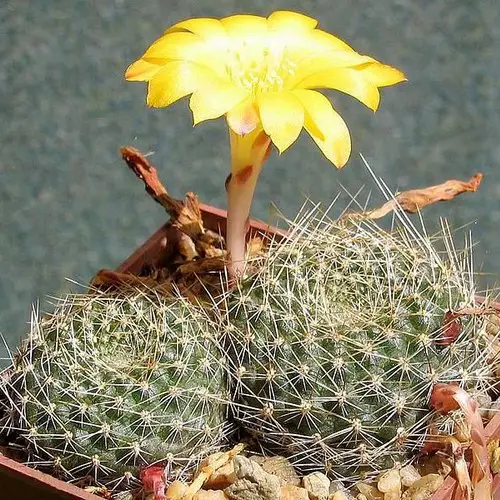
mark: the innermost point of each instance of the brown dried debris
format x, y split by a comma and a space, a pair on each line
207, 470
414, 200
194, 257
107, 279
186, 215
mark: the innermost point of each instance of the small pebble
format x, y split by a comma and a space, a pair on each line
424, 487
317, 485
392, 495
338, 495
336, 486
210, 495
282, 468
369, 491
252, 482
291, 492
409, 475
389, 481
259, 459
176, 490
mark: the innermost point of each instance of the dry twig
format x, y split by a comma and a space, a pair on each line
186, 215
415, 200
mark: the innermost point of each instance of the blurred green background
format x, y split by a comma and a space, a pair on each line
69, 206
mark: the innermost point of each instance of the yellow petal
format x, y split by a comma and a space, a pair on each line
174, 46
141, 71
284, 20
175, 80
347, 80
245, 26
282, 117
326, 126
320, 40
323, 61
189, 47
215, 97
315, 51
380, 74
244, 118
204, 27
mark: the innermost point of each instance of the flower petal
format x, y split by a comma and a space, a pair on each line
320, 41
245, 26
244, 118
380, 74
325, 126
321, 61
175, 80
204, 27
282, 116
214, 97
189, 47
174, 46
284, 20
317, 51
141, 71
347, 80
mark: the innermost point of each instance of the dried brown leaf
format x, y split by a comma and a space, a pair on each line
415, 200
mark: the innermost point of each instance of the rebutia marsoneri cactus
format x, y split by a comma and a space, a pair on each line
108, 383
332, 348
338, 339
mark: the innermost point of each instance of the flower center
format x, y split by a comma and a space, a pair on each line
259, 68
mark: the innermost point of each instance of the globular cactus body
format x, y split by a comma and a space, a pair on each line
328, 353
108, 383
339, 338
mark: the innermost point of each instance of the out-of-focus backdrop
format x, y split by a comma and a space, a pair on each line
68, 206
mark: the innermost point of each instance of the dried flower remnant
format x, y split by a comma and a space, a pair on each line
448, 397
260, 74
153, 481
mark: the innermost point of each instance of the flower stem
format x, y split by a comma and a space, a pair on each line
248, 153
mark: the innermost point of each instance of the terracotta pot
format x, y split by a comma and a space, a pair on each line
20, 481
152, 250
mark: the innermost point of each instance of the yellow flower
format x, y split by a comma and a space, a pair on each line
260, 73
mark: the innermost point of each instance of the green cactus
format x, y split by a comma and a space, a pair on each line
338, 339
108, 383
327, 353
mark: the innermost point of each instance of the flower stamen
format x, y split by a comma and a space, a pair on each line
259, 69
